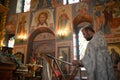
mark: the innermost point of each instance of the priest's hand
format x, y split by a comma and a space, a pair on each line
76, 63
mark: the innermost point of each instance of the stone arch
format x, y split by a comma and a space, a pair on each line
32, 38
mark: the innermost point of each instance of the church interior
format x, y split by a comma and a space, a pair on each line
39, 39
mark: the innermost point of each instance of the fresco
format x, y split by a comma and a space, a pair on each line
107, 19
82, 13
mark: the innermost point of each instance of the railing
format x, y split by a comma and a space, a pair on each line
72, 75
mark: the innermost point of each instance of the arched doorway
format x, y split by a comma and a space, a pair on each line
41, 40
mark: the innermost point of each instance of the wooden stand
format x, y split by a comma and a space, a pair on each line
73, 74
6, 71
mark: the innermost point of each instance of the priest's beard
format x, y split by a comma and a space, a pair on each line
89, 38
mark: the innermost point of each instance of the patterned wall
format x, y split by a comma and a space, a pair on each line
104, 15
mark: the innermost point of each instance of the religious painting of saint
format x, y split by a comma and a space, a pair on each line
11, 24
64, 55
114, 49
37, 4
42, 18
45, 3
56, 3
34, 5
22, 26
64, 21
